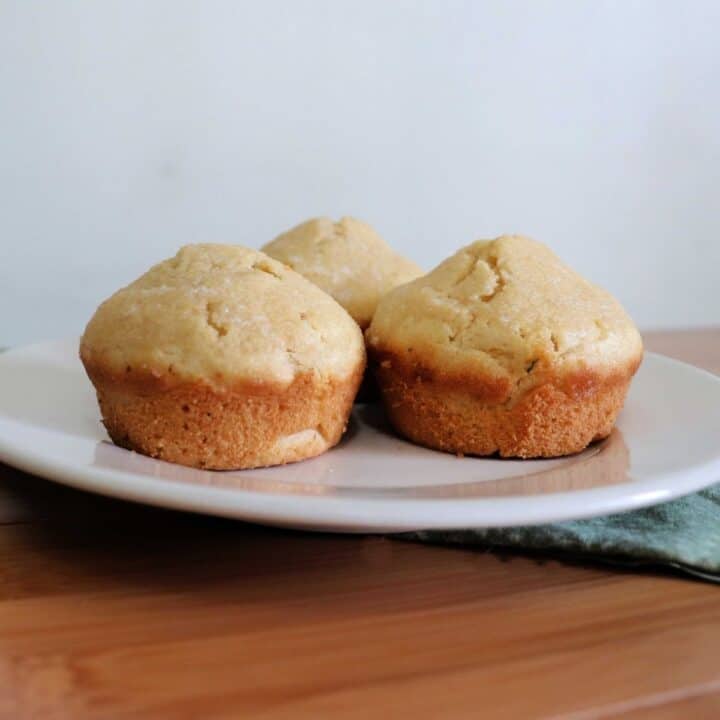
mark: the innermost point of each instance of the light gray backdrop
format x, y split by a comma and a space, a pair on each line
129, 128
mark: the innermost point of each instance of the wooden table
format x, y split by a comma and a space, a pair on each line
109, 609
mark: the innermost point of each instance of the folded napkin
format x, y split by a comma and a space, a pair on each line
683, 534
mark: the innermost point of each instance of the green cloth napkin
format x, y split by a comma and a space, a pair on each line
683, 534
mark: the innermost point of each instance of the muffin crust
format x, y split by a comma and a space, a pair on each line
223, 358
503, 349
347, 259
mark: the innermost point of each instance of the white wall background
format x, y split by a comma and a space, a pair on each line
128, 128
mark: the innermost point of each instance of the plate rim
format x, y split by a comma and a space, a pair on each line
362, 514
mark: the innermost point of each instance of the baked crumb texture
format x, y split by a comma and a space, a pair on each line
347, 259
246, 426
223, 358
503, 349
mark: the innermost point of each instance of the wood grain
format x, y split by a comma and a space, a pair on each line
112, 610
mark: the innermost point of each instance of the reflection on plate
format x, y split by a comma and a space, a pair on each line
603, 463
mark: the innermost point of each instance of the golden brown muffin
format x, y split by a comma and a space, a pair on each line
347, 259
223, 358
503, 349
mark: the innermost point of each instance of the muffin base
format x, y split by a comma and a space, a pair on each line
557, 416
242, 426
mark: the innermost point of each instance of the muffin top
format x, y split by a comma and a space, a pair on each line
222, 314
347, 259
506, 308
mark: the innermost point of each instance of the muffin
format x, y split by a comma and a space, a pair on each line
347, 259
503, 349
221, 357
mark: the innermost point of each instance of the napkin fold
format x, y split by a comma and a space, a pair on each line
683, 534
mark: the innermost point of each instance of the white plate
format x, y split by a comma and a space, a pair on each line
666, 445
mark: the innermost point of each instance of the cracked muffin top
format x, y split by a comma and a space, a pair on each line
347, 259
508, 308
222, 314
